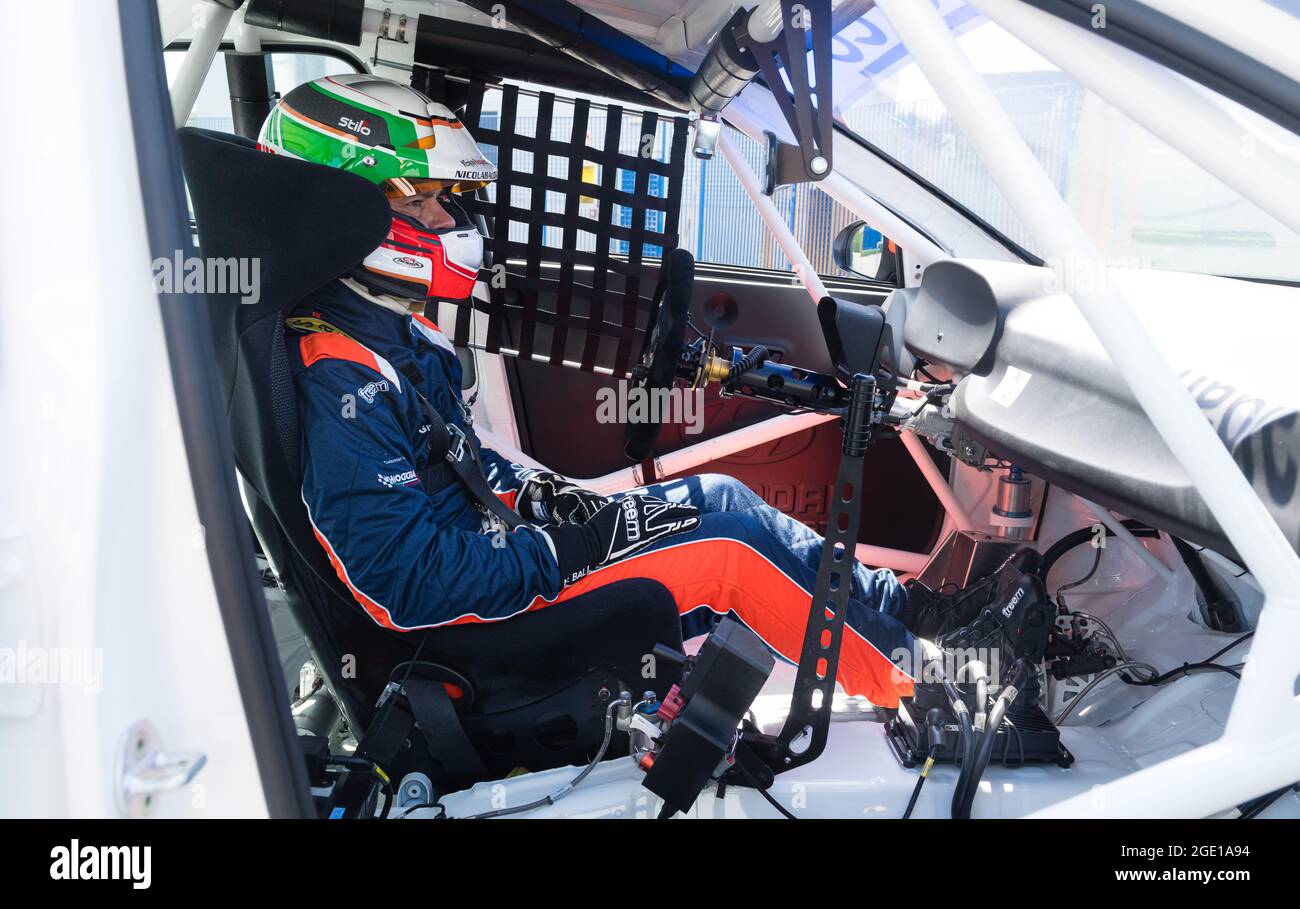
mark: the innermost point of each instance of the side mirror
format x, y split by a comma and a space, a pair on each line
862, 250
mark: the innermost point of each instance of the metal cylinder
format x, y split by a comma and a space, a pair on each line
725, 71
249, 79
1012, 513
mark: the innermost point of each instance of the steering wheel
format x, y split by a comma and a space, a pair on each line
661, 350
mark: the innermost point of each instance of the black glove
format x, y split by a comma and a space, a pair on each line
548, 498
616, 531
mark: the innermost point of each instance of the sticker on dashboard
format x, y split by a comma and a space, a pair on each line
1012, 384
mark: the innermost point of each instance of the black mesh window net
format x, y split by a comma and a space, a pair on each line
586, 204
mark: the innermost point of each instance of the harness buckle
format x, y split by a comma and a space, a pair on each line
456, 451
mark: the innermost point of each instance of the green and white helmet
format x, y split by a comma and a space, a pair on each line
377, 129
396, 137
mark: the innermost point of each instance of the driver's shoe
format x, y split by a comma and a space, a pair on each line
930, 614
1016, 621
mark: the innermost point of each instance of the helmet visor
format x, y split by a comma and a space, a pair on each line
403, 187
400, 187
431, 213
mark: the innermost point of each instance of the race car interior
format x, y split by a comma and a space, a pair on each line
963, 428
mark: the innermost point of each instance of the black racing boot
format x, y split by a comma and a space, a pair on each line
1015, 620
930, 613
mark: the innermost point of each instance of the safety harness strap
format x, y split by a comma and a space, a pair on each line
435, 715
461, 454
448, 444
429, 708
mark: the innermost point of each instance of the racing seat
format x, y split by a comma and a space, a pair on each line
528, 692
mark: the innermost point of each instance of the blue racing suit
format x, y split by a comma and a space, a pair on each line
416, 551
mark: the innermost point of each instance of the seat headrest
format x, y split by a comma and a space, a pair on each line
306, 223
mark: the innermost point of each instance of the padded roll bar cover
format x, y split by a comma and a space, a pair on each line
491, 54
332, 20
590, 39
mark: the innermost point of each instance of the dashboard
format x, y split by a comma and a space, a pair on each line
1037, 388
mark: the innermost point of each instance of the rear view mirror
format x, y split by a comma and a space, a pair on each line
861, 250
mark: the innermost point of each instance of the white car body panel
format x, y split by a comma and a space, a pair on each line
101, 549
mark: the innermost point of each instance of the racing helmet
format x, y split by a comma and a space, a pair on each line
394, 136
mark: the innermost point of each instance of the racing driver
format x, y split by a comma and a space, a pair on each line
405, 535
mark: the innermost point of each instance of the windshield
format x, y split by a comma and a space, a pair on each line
1142, 203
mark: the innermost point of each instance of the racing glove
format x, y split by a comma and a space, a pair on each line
548, 498
616, 531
